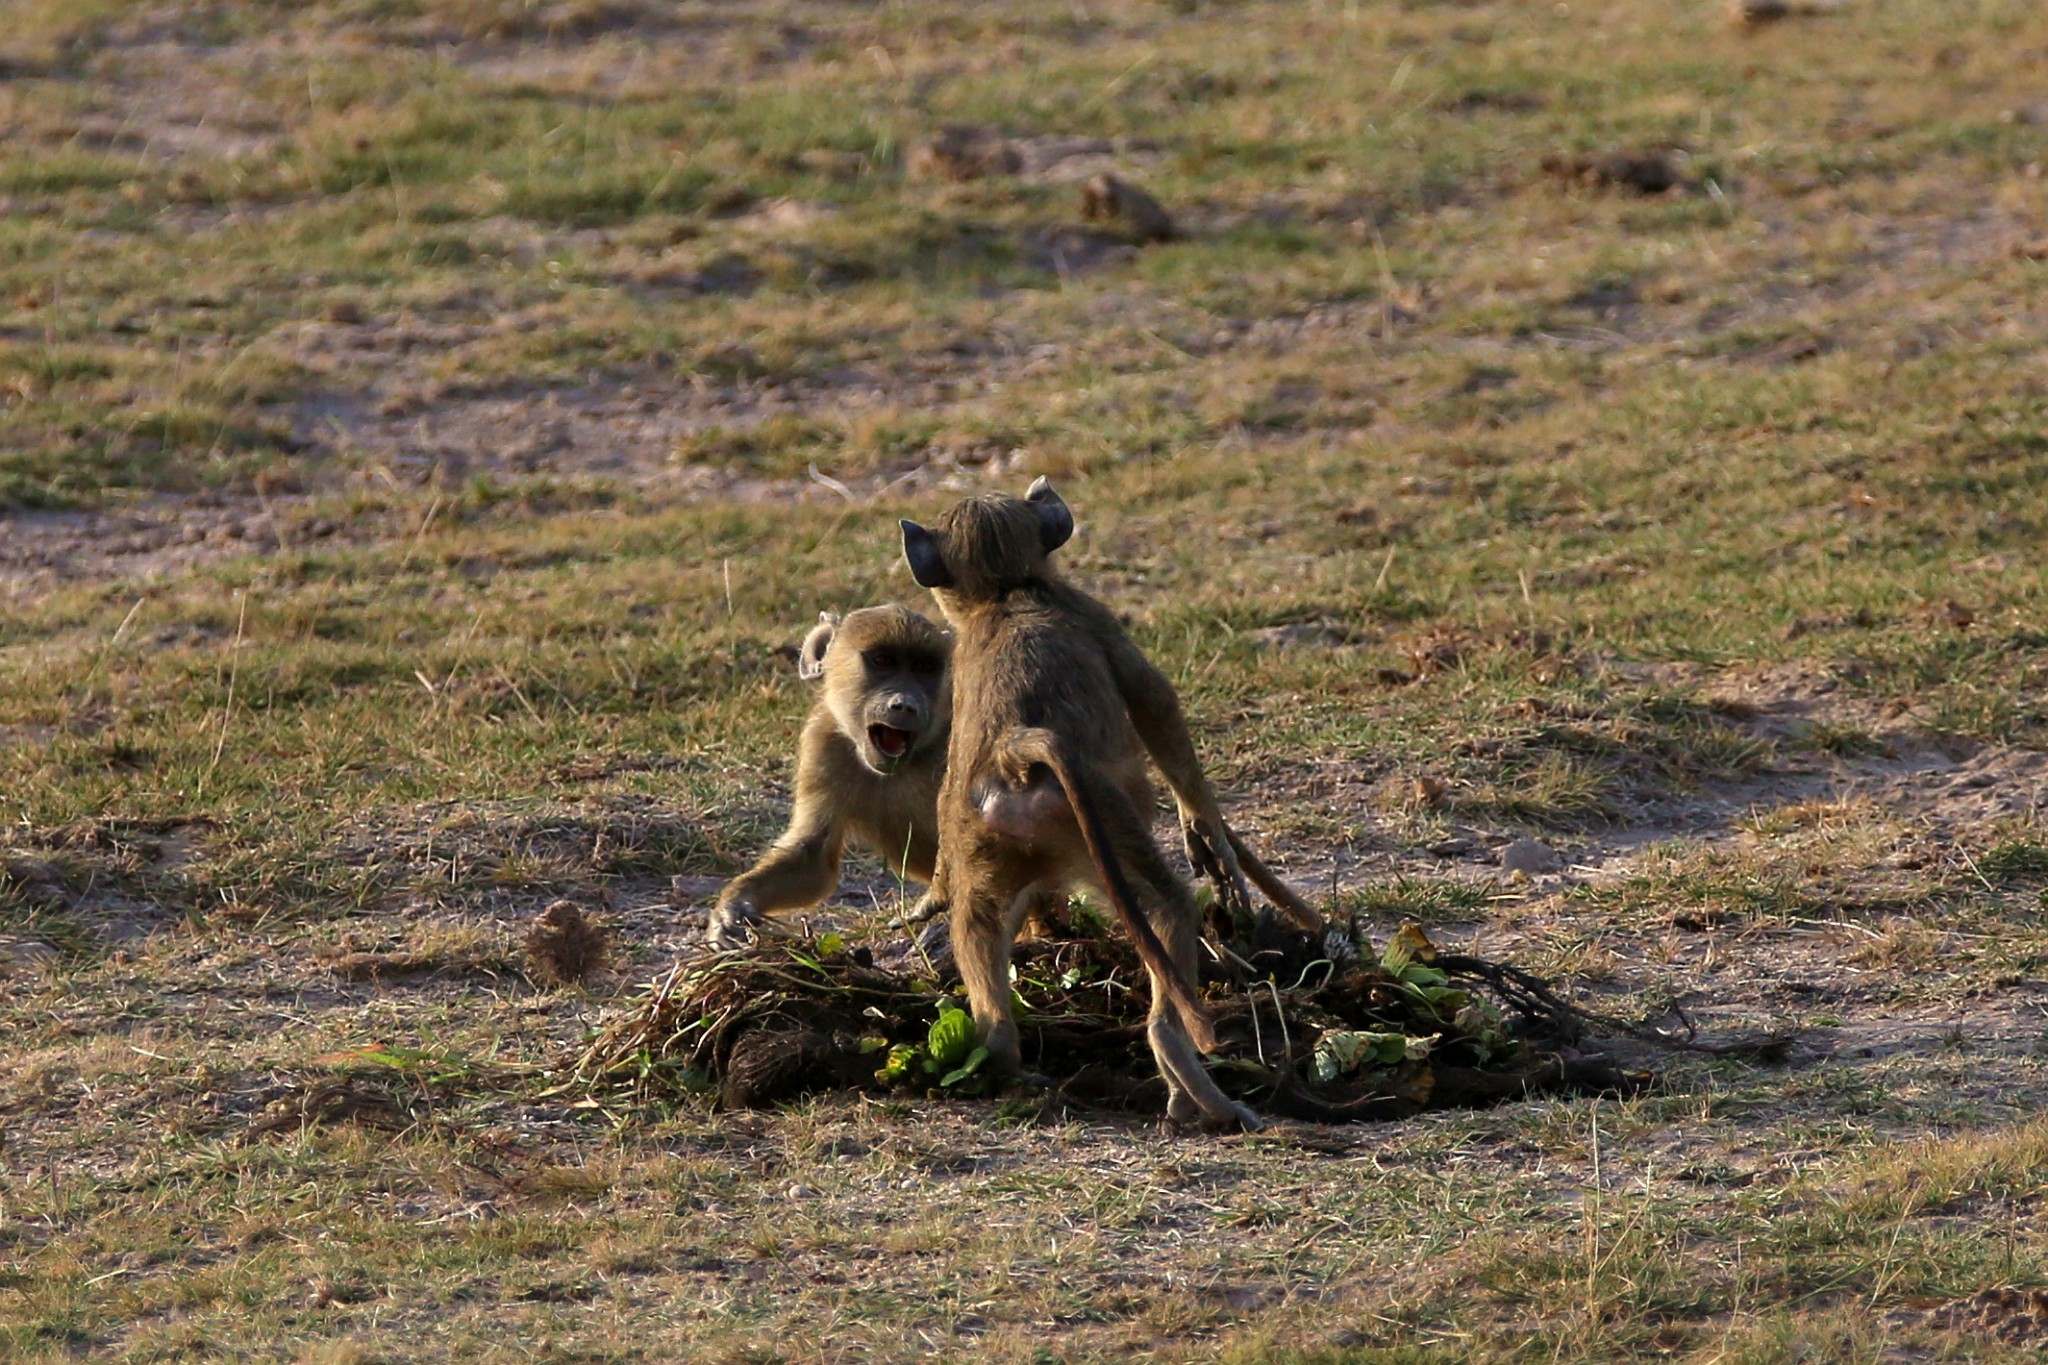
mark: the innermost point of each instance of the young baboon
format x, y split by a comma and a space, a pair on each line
869, 763
1046, 779
881, 667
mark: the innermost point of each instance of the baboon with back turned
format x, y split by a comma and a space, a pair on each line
1055, 710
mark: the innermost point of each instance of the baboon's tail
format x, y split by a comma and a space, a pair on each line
1089, 796
1280, 893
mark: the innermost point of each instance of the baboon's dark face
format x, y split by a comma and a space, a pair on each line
885, 672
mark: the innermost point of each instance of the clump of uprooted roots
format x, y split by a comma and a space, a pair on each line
1321, 1029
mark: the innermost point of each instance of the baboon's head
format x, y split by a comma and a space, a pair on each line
884, 674
988, 544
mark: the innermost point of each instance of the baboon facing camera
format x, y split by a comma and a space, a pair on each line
868, 764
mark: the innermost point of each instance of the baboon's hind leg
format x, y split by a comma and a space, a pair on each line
1192, 1095
984, 927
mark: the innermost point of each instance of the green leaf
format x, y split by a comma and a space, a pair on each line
952, 1037
965, 1069
902, 1059
1442, 1001
1408, 947
1341, 1052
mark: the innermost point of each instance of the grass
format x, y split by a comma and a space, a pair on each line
420, 433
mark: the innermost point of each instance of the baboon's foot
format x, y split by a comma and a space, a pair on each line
1185, 1113
1192, 1095
1005, 1052
926, 909
733, 925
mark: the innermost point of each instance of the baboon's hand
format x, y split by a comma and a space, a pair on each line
1211, 856
732, 923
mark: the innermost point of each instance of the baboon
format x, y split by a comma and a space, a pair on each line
881, 669
1046, 780
868, 764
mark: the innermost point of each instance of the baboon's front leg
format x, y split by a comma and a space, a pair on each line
801, 869
1163, 729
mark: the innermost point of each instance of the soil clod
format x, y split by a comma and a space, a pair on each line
1758, 13
385, 966
1106, 198
2018, 1317
565, 946
1529, 857
1645, 172
326, 1102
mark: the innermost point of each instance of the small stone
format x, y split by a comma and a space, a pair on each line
1302, 635
1107, 199
25, 955
685, 890
1530, 857
802, 1192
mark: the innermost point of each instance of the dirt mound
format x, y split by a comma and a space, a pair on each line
1321, 1029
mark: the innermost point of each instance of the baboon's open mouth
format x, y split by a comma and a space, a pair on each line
889, 741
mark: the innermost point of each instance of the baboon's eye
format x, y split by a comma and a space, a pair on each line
880, 660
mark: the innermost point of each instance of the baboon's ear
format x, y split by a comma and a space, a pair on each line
1055, 520
921, 552
810, 656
